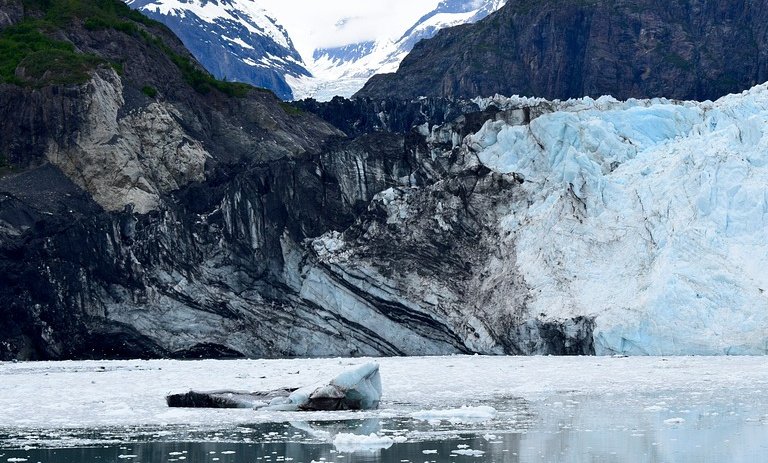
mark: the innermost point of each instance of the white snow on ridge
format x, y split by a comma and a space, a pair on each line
247, 13
238, 41
651, 216
303, 24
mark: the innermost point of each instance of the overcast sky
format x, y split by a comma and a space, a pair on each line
326, 23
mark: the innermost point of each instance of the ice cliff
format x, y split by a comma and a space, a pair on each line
649, 216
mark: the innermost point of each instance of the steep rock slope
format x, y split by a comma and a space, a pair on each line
699, 49
234, 39
105, 115
342, 71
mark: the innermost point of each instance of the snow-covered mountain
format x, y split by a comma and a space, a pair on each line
344, 70
243, 40
234, 39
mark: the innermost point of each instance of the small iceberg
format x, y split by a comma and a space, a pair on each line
355, 389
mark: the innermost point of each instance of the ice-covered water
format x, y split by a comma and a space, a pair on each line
453, 409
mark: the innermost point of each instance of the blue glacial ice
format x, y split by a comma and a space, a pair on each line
649, 215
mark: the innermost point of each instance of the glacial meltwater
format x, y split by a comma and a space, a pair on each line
441, 409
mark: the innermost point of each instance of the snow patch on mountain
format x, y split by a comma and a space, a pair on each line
649, 215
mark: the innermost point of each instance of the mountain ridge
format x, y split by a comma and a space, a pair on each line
568, 49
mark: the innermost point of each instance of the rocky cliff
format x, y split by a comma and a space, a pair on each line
697, 49
147, 209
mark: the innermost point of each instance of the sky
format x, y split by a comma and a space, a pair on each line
329, 23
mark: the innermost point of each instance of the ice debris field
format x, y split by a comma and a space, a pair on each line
461, 406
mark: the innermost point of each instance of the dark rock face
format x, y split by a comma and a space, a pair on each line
361, 116
697, 49
191, 223
11, 12
68, 265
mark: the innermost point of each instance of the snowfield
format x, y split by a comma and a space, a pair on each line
97, 394
649, 215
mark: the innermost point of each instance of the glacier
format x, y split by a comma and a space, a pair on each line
651, 216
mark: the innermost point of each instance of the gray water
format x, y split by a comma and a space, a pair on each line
717, 427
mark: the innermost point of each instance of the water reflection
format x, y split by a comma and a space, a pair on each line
504, 450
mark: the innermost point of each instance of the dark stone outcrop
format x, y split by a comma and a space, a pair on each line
363, 116
682, 49
67, 263
11, 12
224, 399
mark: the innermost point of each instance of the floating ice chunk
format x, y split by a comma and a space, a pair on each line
356, 389
457, 415
354, 443
654, 408
468, 452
